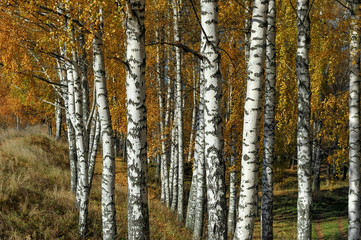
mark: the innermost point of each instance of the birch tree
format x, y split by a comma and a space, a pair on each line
138, 217
176, 5
108, 174
215, 172
304, 173
199, 157
269, 125
250, 147
354, 125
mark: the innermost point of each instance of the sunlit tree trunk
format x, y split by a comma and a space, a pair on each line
214, 162
304, 172
138, 216
232, 208
70, 129
75, 111
163, 154
252, 109
192, 198
58, 119
167, 149
108, 174
199, 157
269, 125
93, 149
354, 196
174, 159
176, 5
72, 156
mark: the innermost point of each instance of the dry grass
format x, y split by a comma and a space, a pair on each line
35, 202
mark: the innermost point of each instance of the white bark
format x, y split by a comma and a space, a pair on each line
304, 172
93, 150
163, 154
269, 125
232, 208
58, 119
108, 174
215, 168
174, 163
250, 146
199, 157
138, 217
176, 5
354, 197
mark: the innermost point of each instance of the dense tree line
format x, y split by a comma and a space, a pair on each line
231, 88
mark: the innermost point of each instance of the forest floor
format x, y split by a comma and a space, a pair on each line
35, 202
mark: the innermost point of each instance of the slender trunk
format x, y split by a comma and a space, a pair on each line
215, 167
93, 151
72, 157
17, 122
252, 109
58, 119
176, 5
354, 125
304, 172
108, 174
232, 209
269, 125
192, 198
168, 194
138, 216
175, 167
199, 157
163, 155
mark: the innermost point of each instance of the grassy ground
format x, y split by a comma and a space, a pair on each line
35, 202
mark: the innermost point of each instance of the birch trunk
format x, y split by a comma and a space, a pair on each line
138, 217
58, 119
93, 150
232, 209
175, 162
192, 198
354, 125
304, 172
75, 111
215, 168
168, 147
176, 5
163, 155
252, 109
199, 157
269, 126
108, 174
72, 157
